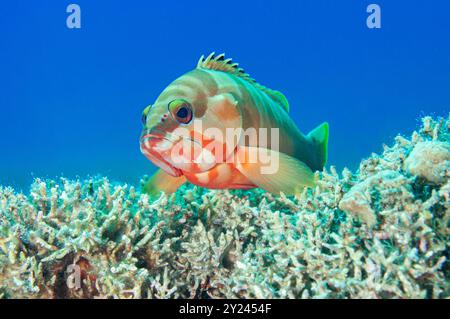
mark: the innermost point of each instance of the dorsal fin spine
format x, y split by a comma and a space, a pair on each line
219, 63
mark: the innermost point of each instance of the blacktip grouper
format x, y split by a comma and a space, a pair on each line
218, 128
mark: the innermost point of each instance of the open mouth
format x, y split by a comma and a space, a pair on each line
153, 146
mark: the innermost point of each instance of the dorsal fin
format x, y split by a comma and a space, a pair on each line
219, 63
280, 98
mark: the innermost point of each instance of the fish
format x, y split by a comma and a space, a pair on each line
218, 128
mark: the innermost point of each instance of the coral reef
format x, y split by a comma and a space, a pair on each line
430, 160
382, 232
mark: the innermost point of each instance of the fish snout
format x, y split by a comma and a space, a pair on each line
151, 133
156, 148
155, 141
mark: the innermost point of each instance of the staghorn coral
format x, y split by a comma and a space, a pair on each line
382, 232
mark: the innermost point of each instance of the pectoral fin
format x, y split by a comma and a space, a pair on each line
274, 171
163, 182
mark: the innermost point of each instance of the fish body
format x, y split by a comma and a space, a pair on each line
218, 128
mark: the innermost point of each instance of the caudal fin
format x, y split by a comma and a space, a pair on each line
319, 139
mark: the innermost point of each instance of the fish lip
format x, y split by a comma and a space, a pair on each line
158, 134
155, 157
145, 137
150, 134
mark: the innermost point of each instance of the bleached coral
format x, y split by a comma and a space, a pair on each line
382, 232
430, 160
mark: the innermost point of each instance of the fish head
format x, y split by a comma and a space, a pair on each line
185, 130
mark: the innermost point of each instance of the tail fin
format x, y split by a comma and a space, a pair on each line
319, 138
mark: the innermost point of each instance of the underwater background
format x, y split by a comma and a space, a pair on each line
75, 223
71, 99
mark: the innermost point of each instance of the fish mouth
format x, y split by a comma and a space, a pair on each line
175, 154
150, 146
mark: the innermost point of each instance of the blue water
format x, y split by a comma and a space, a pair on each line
71, 100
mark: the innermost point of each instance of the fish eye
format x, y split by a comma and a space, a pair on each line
144, 114
181, 111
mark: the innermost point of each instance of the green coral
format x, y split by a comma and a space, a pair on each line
380, 233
